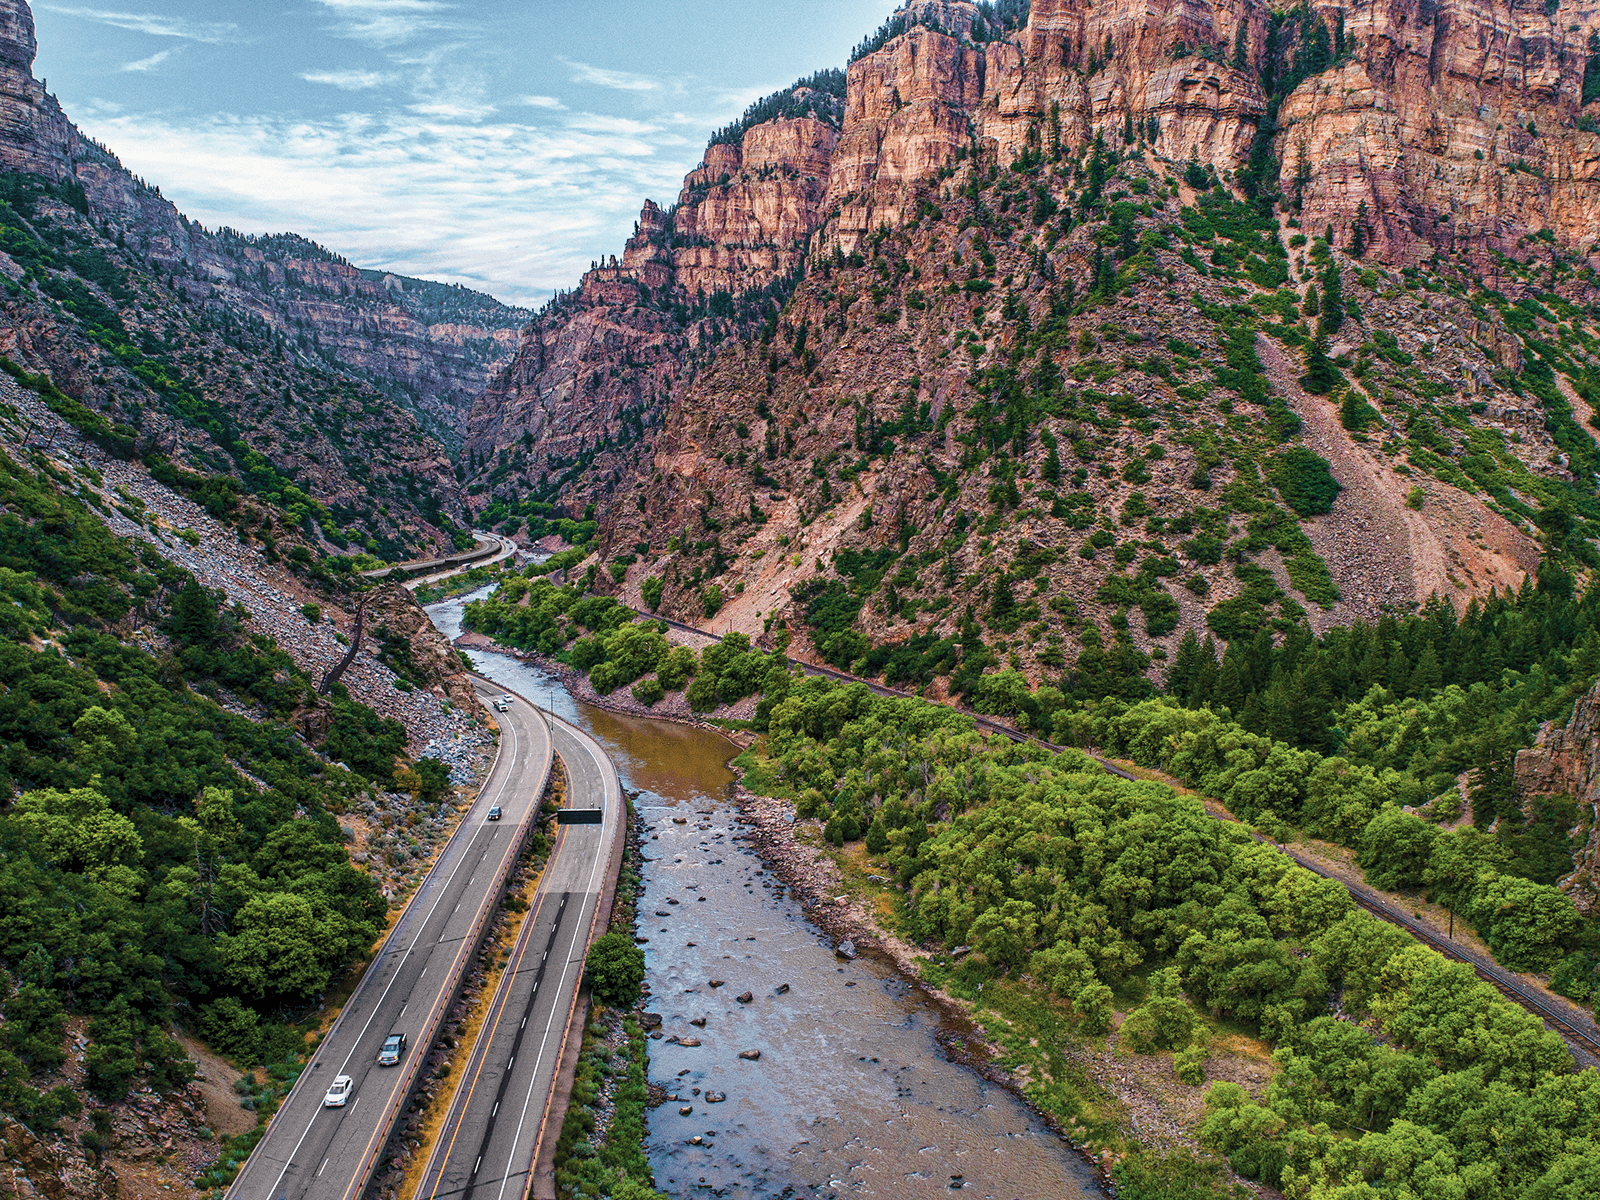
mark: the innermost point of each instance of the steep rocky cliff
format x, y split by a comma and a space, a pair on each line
1565, 761
1056, 337
212, 345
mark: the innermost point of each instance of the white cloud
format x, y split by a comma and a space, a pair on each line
625, 81
513, 209
151, 63
155, 24
539, 102
387, 22
349, 81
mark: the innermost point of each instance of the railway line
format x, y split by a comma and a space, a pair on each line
1584, 1042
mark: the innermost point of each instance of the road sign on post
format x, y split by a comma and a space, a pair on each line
580, 816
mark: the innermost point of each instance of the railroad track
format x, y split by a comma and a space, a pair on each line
1586, 1042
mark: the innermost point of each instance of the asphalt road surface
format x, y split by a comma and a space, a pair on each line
327, 1153
491, 1134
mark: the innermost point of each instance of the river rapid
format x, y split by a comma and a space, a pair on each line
851, 1092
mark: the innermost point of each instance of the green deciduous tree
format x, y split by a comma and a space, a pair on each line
614, 969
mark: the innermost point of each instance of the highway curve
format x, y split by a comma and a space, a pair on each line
491, 1136
314, 1153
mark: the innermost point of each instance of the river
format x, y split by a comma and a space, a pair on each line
851, 1092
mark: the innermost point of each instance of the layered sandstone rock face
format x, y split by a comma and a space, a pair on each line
1452, 126
596, 368
1387, 135
34, 133
1565, 761
376, 325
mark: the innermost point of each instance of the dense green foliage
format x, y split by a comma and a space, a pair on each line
1045, 864
146, 876
614, 969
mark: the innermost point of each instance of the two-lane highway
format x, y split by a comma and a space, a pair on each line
492, 1133
322, 1153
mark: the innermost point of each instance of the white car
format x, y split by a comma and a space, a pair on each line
339, 1094
502, 705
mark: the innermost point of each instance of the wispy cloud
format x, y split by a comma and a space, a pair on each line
623, 81
539, 102
350, 81
155, 24
388, 22
514, 209
151, 63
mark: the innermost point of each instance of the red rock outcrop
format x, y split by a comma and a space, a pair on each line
1565, 761
1453, 125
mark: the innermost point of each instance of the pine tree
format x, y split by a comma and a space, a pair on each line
1358, 231
1332, 300
1494, 785
1229, 690
1311, 307
1205, 680
1399, 672
1321, 376
1428, 678
1185, 666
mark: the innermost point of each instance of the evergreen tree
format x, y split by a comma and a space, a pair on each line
1311, 307
1321, 376
1358, 231
1332, 300
1428, 677
1399, 672
1205, 680
1185, 667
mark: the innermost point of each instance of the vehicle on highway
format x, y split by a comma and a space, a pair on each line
494, 813
502, 705
339, 1094
393, 1047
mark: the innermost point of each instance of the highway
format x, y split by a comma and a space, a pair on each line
491, 1136
322, 1153
491, 548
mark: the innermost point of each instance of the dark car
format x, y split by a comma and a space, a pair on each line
393, 1047
494, 813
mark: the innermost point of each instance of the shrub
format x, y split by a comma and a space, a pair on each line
614, 969
1305, 481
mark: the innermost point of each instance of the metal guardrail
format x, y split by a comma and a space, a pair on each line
471, 944
413, 1063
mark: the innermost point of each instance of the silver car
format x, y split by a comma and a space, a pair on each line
393, 1047
339, 1094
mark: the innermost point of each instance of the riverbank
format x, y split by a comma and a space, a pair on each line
674, 706
795, 853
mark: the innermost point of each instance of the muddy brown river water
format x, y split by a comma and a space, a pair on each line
851, 1092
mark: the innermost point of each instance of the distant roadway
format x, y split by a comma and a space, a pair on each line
491, 1134
322, 1153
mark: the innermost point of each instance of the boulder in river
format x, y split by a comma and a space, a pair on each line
751, 1055
846, 950
781, 989
650, 1020
686, 1110
698, 1022
715, 1097
716, 983
744, 997
688, 1041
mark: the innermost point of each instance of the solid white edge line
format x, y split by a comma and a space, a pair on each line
607, 779
444, 887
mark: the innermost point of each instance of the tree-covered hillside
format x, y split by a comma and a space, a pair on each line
169, 849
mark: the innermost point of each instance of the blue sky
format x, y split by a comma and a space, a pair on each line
501, 144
